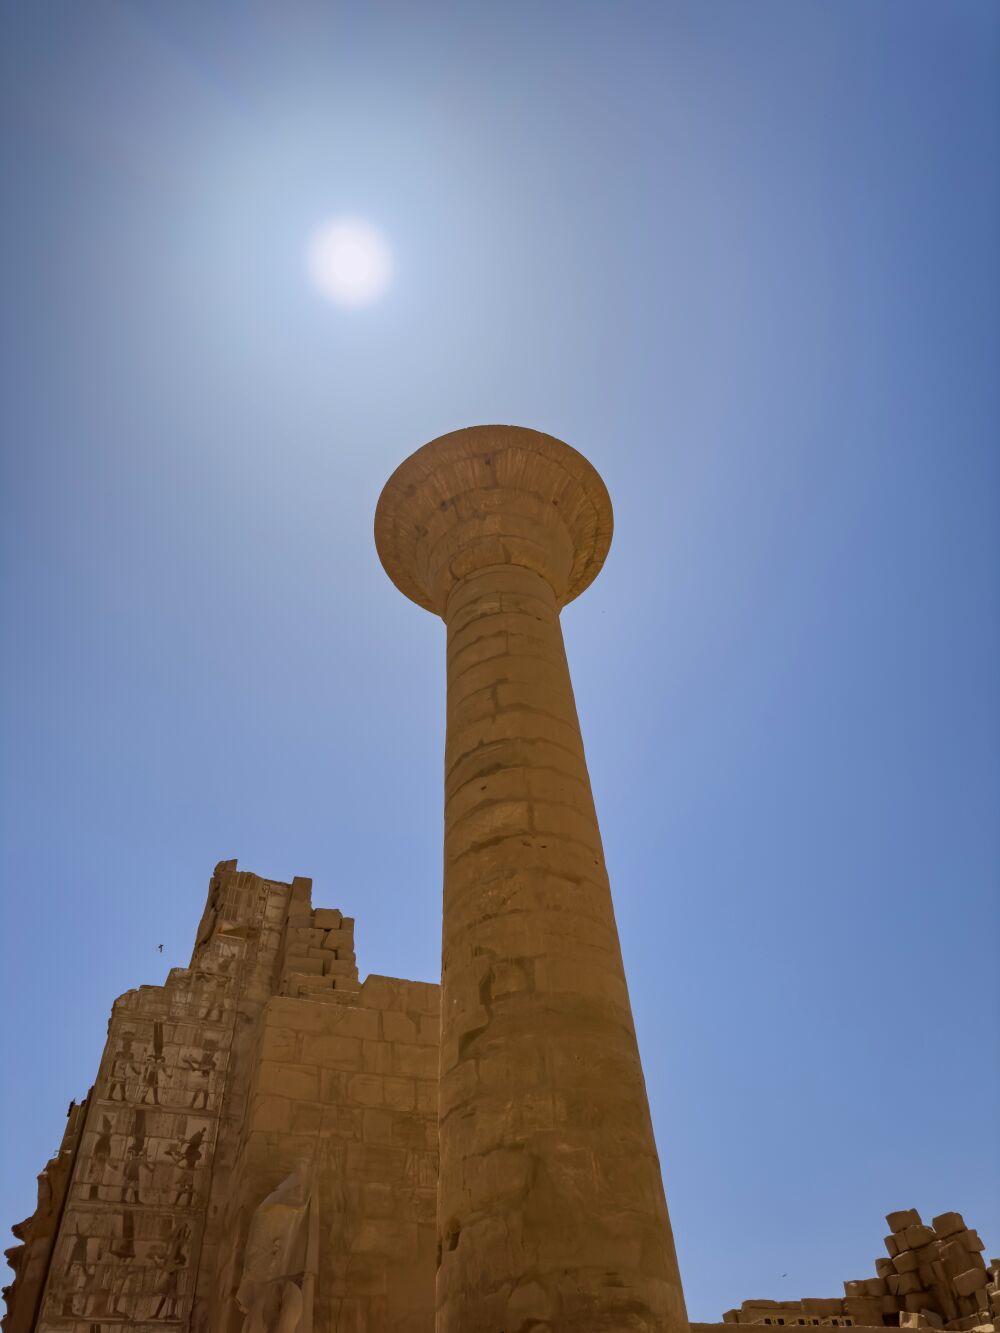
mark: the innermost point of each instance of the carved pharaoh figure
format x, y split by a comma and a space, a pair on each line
279, 1263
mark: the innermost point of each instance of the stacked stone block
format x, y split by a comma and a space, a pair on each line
932, 1277
993, 1290
318, 957
810, 1312
352, 1087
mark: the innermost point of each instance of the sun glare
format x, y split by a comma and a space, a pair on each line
350, 262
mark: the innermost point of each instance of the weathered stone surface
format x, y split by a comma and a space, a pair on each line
212, 1088
326, 918
863, 1310
918, 1236
920, 1319
30, 1260
916, 1301
545, 1132
944, 1283
907, 1284
974, 1279
281, 1256
907, 1217
957, 1258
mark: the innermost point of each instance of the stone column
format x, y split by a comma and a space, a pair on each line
551, 1213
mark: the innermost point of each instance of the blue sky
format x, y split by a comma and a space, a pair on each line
744, 257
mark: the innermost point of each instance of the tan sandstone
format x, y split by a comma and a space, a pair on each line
551, 1212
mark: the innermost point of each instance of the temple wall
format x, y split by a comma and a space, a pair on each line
351, 1087
135, 1209
266, 1067
137, 1213
38, 1233
132, 1224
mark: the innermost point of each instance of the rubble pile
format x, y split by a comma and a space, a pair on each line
934, 1277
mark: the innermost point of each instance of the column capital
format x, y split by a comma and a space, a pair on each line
488, 496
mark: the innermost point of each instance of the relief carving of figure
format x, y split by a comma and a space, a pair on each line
122, 1066
124, 1280
123, 1247
279, 1264
171, 1259
215, 988
169, 1293
203, 1066
187, 1155
155, 1068
79, 1253
100, 1155
136, 1160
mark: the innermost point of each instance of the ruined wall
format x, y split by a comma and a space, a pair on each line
136, 1219
933, 1277
809, 1312
265, 1050
30, 1259
349, 1085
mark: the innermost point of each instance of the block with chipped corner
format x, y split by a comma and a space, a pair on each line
918, 1236
907, 1261
906, 1217
971, 1281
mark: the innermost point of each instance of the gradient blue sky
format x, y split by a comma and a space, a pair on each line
744, 255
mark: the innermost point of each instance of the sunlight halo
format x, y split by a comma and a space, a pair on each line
350, 261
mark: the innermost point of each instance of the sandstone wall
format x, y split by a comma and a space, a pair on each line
350, 1086
265, 1050
37, 1234
135, 1220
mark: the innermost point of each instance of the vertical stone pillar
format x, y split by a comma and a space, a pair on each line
551, 1213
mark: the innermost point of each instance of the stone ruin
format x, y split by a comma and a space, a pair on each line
273, 1146
263, 1099
933, 1277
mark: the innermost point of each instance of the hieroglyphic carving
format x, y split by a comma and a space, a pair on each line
138, 1238
136, 1208
130, 1269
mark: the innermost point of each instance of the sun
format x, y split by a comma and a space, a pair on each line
350, 261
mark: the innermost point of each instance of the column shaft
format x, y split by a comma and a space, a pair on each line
551, 1207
